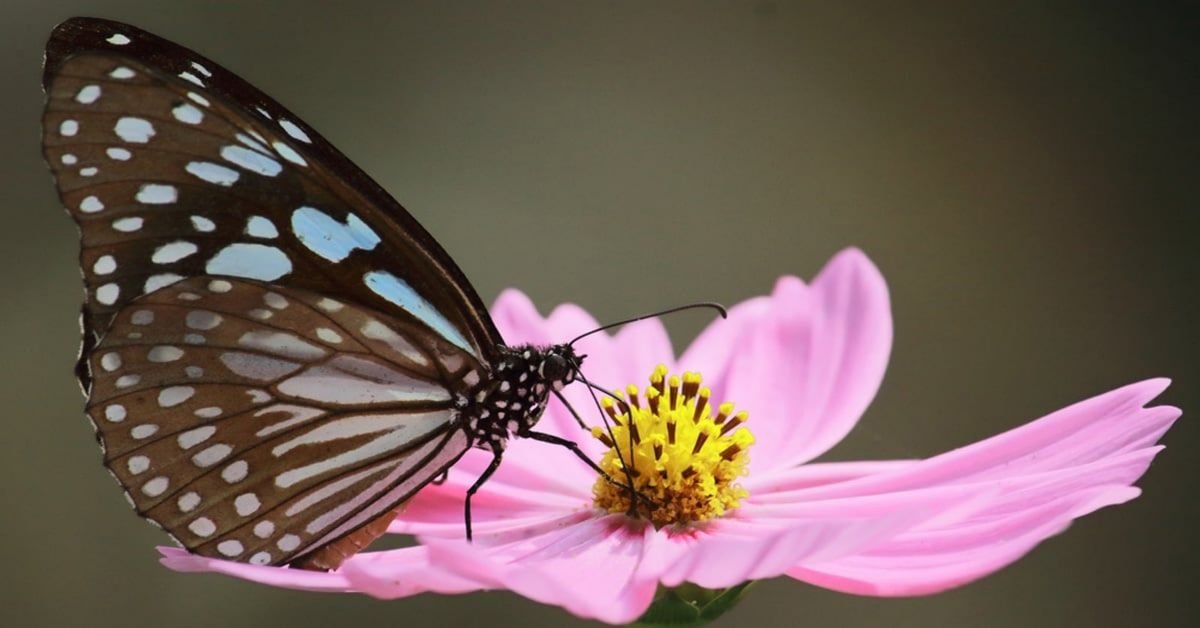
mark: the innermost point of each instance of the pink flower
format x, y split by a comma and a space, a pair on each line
805, 362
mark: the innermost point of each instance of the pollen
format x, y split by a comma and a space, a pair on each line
683, 455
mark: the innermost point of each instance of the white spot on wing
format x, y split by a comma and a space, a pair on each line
191, 438
254, 261
191, 78
128, 225
187, 113
157, 194
201, 69
144, 431
212, 173
203, 319
202, 526
173, 252
203, 224
235, 472
174, 395
296, 132
138, 464
90, 205
108, 293
288, 153
274, 300
68, 128
117, 39
135, 130
156, 486
328, 335
198, 99
246, 504
251, 160
257, 367
259, 227
161, 280
110, 361
88, 95
119, 154
230, 548
188, 501
114, 413
122, 72
164, 353
212, 455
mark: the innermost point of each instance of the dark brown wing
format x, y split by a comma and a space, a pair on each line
174, 167
265, 424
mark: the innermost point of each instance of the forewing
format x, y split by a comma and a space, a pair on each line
261, 423
174, 167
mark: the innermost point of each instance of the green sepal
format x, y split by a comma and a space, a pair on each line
690, 605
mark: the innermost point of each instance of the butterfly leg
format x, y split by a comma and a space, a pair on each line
574, 448
634, 495
497, 455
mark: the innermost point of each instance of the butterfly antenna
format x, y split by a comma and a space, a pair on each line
691, 306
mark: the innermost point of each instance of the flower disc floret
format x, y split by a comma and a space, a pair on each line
684, 459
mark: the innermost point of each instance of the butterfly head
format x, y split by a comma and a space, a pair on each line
560, 365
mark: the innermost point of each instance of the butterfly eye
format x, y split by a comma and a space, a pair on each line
555, 368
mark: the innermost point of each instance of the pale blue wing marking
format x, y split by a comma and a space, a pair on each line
253, 261
330, 239
399, 292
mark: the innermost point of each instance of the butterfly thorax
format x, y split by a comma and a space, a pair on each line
513, 401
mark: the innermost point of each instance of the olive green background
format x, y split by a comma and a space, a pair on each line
1025, 177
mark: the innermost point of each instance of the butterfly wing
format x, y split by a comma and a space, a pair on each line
260, 423
174, 167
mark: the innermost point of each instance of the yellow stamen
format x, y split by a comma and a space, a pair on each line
684, 462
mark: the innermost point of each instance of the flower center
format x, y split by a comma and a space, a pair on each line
683, 459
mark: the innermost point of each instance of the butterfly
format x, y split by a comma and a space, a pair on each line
275, 354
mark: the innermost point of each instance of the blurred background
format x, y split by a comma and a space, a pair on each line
1025, 176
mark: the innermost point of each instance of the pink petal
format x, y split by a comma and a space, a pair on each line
919, 568
391, 574
518, 320
1036, 479
401, 573
1109, 424
755, 545
438, 510
179, 560
593, 569
806, 363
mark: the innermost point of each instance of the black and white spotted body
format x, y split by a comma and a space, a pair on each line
513, 402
